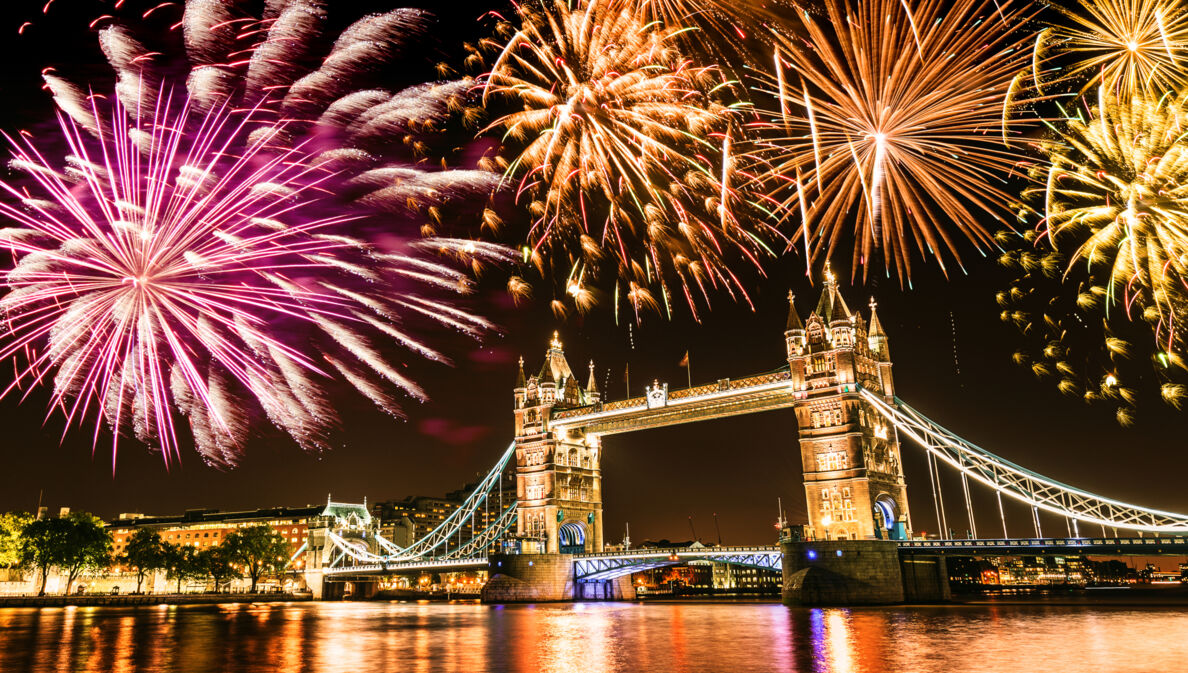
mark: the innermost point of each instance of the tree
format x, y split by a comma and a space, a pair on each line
12, 524
183, 563
260, 549
73, 544
146, 553
219, 562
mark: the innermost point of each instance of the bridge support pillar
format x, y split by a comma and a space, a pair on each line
618, 589
842, 572
315, 581
925, 578
529, 578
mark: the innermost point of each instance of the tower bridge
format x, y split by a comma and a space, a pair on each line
546, 541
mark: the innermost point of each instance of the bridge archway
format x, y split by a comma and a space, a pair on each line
886, 516
571, 538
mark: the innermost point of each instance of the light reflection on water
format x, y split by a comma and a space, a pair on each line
591, 638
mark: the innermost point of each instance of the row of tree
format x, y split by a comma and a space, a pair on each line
80, 543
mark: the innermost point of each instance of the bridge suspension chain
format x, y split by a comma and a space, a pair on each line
1017, 482
487, 537
475, 504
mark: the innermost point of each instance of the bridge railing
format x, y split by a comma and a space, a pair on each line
679, 551
1141, 544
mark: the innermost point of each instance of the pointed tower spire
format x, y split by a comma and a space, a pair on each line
876, 327
793, 317
555, 368
794, 336
875, 336
521, 380
831, 305
592, 385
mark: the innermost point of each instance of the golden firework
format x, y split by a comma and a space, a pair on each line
1116, 204
889, 125
1128, 46
622, 149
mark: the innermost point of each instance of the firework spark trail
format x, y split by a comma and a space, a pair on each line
895, 128
625, 158
215, 254
1117, 198
1099, 294
1128, 46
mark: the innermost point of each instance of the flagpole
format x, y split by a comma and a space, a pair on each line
689, 368
627, 378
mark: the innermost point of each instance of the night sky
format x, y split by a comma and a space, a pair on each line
951, 355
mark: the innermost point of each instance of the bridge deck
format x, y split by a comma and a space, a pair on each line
1140, 546
609, 565
728, 397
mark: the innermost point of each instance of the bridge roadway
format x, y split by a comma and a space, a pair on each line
610, 565
1091, 546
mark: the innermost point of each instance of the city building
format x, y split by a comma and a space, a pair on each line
406, 520
203, 528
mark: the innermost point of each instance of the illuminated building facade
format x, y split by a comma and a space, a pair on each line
204, 528
558, 473
405, 520
853, 476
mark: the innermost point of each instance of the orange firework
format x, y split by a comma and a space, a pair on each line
622, 149
889, 127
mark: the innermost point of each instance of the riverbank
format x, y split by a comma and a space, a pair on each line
102, 600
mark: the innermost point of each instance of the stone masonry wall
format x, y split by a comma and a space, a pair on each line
842, 572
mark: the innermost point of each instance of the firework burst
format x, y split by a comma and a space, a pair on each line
225, 245
1127, 46
889, 126
1116, 204
624, 157
728, 32
1110, 255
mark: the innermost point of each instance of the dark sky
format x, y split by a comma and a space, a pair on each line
952, 362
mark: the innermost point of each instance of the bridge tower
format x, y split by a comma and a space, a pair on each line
853, 476
558, 471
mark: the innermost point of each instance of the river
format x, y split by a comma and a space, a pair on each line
593, 637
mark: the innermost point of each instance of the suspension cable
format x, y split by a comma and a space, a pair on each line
1002, 515
940, 496
935, 502
973, 525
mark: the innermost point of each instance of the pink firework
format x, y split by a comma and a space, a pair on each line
167, 270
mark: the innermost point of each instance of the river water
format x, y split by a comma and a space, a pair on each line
593, 637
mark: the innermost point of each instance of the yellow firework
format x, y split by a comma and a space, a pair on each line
889, 126
1116, 204
622, 149
1126, 45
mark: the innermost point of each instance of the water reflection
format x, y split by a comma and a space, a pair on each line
589, 638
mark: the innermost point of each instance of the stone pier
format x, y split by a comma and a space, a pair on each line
543, 578
860, 572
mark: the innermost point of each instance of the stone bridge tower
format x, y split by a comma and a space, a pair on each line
853, 476
558, 472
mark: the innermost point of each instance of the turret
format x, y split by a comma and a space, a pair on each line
876, 337
521, 386
592, 394
794, 335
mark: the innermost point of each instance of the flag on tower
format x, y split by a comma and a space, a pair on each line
688, 369
685, 360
